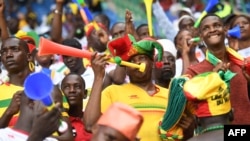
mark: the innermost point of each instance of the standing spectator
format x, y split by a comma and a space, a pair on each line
141, 93
244, 41
163, 76
73, 87
18, 62
213, 34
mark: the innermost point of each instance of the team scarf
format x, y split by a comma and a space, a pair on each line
227, 75
168, 128
233, 56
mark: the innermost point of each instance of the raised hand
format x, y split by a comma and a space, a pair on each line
98, 63
129, 25
185, 46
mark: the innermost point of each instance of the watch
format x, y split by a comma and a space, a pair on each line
57, 11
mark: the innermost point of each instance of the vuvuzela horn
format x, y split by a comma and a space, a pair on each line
47, 47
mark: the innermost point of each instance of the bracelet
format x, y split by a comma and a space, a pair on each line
57, 12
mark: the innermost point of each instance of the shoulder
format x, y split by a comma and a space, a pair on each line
201, 67
119, 87
9, 88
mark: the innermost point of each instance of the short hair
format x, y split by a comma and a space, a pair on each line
72, 73
21, 43
228, 19
72, 43
104, 18
140, 26
115, 25
211, 15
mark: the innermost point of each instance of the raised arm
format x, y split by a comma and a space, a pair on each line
93, 108
118, 75
164, 23
56, 30
129, 25
3, 25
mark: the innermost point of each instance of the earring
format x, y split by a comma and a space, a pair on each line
31, 66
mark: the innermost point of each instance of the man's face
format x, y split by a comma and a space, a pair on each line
118, 30
134, 74
98, 40
212, 31
168, 70
13, 56
105, 133
244, 27
143, 32
73, 89
73, 63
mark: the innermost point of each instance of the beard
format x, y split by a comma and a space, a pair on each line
167, 75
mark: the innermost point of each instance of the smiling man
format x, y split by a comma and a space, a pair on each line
213, 33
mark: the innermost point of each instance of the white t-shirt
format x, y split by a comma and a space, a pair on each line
88, 77
8, 134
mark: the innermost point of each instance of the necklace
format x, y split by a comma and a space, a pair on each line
212, 128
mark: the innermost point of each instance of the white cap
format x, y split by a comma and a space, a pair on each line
185, 17
167, 45
186, 9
